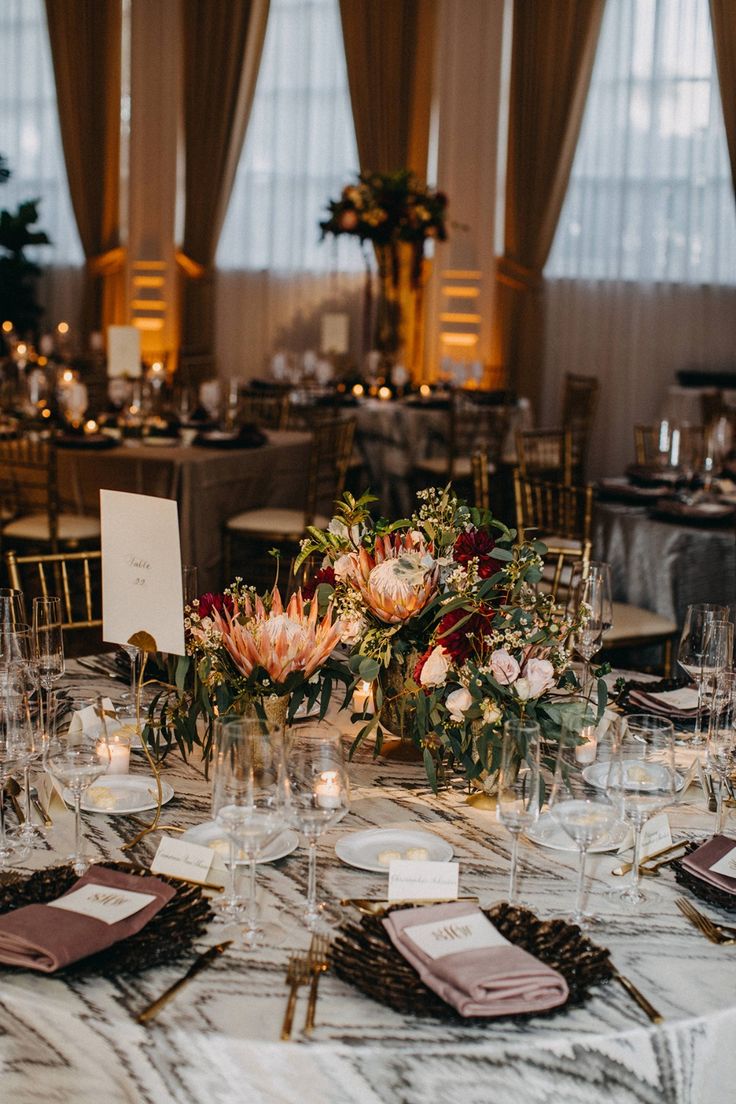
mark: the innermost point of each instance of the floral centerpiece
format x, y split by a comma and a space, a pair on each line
248, 654
397, 215
442, 613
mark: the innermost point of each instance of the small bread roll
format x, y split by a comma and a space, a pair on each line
418, 854
386, 857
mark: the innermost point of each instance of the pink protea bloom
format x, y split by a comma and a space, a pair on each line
278, 640
400, 577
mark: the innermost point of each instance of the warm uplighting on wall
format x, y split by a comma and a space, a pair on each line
460, 327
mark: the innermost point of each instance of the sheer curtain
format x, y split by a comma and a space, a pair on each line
275, 277
641, 280
30, 139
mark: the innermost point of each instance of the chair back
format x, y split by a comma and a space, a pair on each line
75, 577
560, 516
28, 480
329, 456
481, 481
269, 410
476, 423
545, 454
579, 403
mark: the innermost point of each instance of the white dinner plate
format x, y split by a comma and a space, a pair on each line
211, 835
120, 794
361, 849
597, 774
548, 833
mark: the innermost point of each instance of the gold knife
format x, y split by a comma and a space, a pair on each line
640, 999
199, 963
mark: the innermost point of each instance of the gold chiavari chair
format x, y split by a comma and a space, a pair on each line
579, 403
545, 454
474, 424
75, 577
31, 494
268, 410
481, 480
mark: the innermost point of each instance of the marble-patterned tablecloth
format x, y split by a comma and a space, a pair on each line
77, 1042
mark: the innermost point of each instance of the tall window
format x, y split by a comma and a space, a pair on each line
299, 148
650, 195
29, 128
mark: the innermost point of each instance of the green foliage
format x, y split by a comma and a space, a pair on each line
18, 274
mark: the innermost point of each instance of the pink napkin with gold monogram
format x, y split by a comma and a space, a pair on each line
460, 955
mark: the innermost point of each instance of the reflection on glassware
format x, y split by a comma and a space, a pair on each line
722, 739
13, 736
12, 607
691, 652
319, 796
48, 644
517, 804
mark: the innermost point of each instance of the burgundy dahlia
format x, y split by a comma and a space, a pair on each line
476, 545
325, 575
209, 602
467, 638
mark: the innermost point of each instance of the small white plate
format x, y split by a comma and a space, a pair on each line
120, 794
361, 849
597, 775
210, 834
548, 833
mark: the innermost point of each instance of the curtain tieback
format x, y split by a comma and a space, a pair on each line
191, 268
107, 263
516, 275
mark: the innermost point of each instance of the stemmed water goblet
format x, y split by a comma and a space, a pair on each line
641, 780
75, 758
721, 744
517, 803
691, 654
13, 746
319, 796
48, 645
248, 802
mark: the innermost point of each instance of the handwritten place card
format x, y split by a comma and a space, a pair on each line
123, 352
180, 859
415, 880
726, 865
141, 570
473, 932
103, 903
655, 836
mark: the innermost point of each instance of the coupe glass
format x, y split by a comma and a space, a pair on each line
75, 758
248, 801
722, 740
517, 804
641, 779
48, 644
591, 590
691, 652
585, 814
13, 736
319, 796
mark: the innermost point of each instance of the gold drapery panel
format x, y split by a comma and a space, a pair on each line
723, 20
552, 60
85, 49
223, 42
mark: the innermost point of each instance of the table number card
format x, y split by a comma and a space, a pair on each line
141, 570
123, 352
415, 880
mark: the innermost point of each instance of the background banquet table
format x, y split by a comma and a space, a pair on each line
209, 485
662, 566
77, 1040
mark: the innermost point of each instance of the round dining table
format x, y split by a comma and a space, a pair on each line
75, 1039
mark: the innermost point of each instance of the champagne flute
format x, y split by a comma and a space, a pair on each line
248, 801
37, 730
592, 594
722, 740
585, 814
48, 645
12, 734
690, 652
319, 796
75, 758
641, 780
12, 607
517, 804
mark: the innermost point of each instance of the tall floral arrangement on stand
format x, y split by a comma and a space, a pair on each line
443, 613
397, 215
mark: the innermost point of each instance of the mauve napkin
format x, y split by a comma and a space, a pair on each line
699, 862
492, 981
43, 938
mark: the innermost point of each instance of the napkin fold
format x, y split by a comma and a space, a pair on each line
679, 704
700, 861
492, 981
40, 937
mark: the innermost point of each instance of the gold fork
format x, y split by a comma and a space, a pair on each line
318, 964
297, 974
716, 933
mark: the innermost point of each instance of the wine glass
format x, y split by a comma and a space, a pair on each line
48, 644
691, 650
517, 804
12, 607
722, 739
591, 592
584, 813
248, 801
319, 796
37, 727
12, 750
641, 779
75, 758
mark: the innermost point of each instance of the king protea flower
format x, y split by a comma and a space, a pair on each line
400, 577
278, 640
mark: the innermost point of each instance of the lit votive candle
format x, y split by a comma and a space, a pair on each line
327, 790
384, 393
363, 698
585, 753
119, 748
